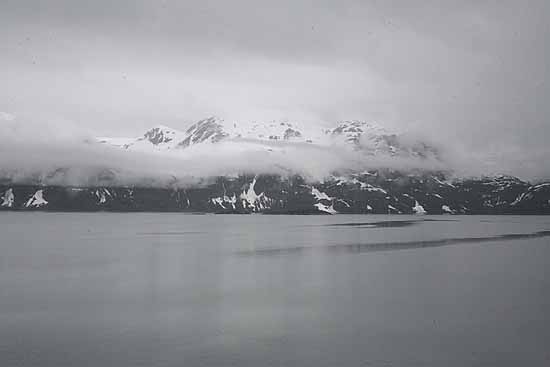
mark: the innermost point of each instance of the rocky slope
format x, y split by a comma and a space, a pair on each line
379, 192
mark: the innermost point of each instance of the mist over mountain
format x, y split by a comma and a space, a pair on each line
230, 166
211, 147
101, 96
468, 76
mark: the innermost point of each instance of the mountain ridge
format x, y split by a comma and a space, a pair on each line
373, 192
346, 185
368, 137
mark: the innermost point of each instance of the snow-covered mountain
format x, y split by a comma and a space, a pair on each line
366, 137
242, 167
159, 137
374, 139
214, 129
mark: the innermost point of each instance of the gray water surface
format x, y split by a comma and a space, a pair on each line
253, 290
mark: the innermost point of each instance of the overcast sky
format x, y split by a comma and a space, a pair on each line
472, 73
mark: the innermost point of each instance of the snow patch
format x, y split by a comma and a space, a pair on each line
223, 200
250, 195
218, 201
540, 186
102, 195
418, 209
8, 199
443, 182
518, 199
354, 181
325, 208
251, 200
319, 195
37, 200
344, 202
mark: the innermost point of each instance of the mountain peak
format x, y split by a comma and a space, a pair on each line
375, 139
353, 130
210, 129
160, 134
369, 138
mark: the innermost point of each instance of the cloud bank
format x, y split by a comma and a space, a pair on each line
78, 159
472, 75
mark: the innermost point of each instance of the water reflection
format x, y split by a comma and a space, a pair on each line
387, 223
391, 246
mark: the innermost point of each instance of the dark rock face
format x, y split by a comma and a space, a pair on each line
536, 198
157, 136
291, 133
380, 192
208, 129
352, 131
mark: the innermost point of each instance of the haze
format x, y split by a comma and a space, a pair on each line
472, 75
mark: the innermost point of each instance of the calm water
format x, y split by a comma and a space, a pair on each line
205, 290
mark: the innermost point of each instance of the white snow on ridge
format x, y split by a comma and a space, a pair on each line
37, 200
117, 142
102, 195
518, 199
274, 130
391, 207
443, 182
344, 202
418, 209
249, 196
356, 132
8, 199
222, 200
254, 201
540, 186
363, 185
325, 208
319, 195
218, 201
212, 130
528, 195
158, 138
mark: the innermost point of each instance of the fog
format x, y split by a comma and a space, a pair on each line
78, 159
470, 76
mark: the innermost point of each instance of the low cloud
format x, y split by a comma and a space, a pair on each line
471, 75
32, 154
